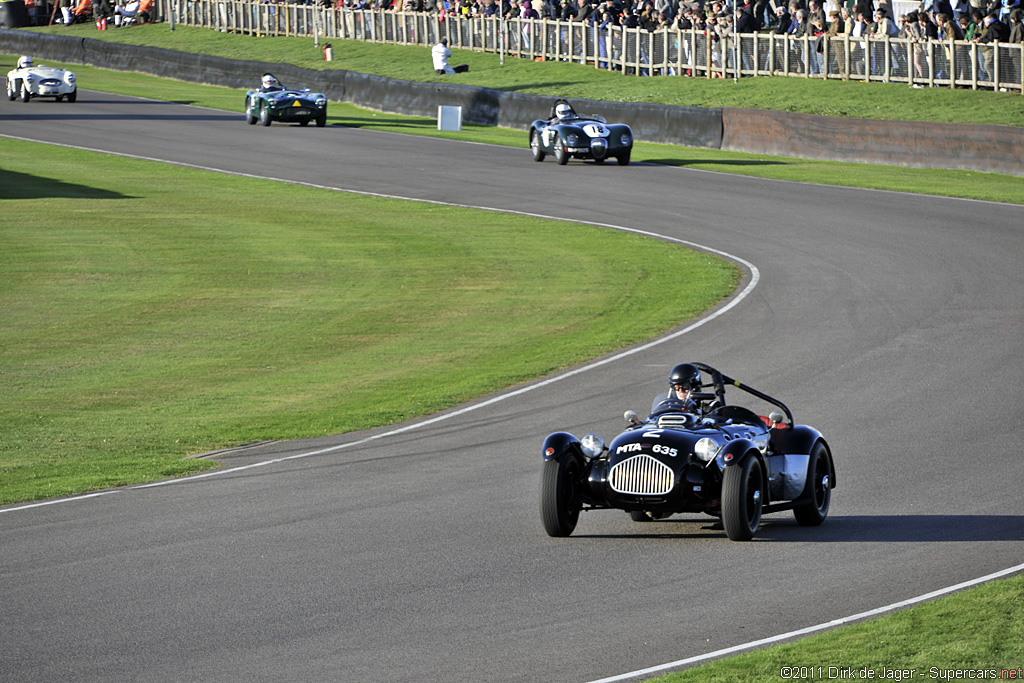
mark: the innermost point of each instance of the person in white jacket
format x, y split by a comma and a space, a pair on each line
441, 53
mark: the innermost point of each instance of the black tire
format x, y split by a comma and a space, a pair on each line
817, 495
12, 90
559, 507
73, 95
264, 114
25, 94
321, 120
250, 118
538, 153
304, 123
623, 158
640, 516
741, 499
561, 156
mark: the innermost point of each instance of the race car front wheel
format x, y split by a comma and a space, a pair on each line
25, 94
73, 95
623, 159
264, 115
561, 154
559, 508
741, 499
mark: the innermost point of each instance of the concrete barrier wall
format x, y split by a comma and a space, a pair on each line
997, 149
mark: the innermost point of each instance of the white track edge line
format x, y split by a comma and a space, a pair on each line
812, 629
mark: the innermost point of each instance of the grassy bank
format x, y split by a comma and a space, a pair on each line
563, 79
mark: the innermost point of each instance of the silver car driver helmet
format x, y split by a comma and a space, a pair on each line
24, 62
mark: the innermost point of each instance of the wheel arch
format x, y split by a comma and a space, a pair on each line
559, 445
802, 439
736, 452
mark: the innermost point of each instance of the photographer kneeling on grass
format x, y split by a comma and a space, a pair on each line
441, 53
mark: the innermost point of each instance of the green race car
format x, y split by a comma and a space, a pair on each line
273, 102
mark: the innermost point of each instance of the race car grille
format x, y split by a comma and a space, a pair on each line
49, 81
641, 475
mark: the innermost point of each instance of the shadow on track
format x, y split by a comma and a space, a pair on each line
848, 529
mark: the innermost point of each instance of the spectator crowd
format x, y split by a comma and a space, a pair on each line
985, 22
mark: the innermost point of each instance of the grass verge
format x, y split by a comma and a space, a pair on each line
977, 634
192, 323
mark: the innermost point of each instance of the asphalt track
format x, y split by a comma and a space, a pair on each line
893, 322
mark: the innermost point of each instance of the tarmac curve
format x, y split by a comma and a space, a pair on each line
890, 321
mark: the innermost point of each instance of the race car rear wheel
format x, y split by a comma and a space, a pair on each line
741, 499
561, 155
817, 495
25, 94
559, 507
264, 114
12, 89
538, 153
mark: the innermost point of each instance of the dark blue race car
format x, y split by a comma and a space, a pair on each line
699, 455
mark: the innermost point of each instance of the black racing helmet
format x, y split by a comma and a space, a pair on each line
686, 375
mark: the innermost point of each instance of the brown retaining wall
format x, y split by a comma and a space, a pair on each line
996, 149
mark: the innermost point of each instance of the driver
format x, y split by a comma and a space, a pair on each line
269, 84
24, 62
561, 111
683, 380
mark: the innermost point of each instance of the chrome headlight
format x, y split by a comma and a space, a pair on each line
30, 78
69, 77
592, 445
705, 449
626, 140
572, 140
321, 101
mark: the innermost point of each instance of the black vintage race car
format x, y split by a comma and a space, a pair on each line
696, 455
567, 134
273, 102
